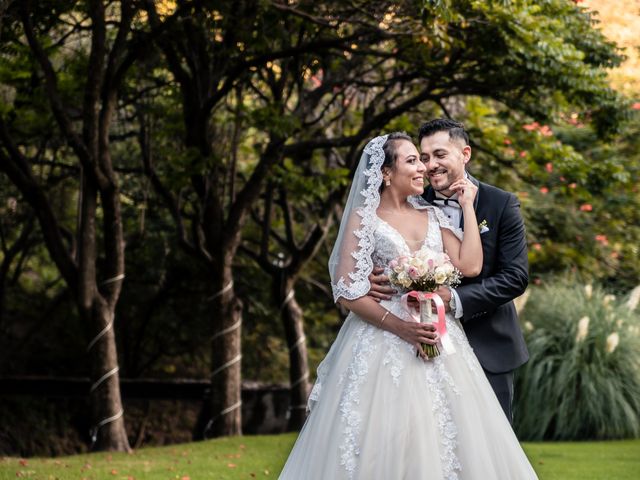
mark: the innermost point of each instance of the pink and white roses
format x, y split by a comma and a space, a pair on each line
424, 271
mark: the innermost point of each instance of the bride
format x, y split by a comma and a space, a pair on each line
379, 411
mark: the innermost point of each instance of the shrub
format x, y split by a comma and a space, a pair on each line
582, 380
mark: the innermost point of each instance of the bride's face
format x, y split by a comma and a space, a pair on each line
407, 175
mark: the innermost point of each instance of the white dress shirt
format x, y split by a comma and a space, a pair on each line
454, 212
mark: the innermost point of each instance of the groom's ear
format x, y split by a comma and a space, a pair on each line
466, 153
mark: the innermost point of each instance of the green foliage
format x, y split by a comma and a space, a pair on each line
582, 380
578, 193
540, 56
269, 119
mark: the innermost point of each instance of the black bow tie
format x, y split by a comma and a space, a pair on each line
446, 201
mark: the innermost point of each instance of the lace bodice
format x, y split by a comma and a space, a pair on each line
389, 244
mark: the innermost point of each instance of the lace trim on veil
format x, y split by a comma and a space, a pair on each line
364, 264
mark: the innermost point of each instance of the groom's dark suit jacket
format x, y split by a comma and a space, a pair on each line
489, 315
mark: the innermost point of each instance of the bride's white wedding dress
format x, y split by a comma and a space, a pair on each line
378, 412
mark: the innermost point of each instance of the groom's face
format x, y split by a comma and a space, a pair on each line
445, 159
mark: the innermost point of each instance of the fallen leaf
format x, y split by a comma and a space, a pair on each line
231, 465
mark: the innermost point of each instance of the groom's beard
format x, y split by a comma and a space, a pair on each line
443, 189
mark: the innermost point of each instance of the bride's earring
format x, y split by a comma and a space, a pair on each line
387, 182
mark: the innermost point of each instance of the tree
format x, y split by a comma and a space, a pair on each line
212, 64
108, 46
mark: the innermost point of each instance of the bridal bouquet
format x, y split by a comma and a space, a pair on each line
424, 271
420, 275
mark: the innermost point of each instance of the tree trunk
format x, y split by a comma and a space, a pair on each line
108, 430
292, 320
108, 61
107, 423
226, 402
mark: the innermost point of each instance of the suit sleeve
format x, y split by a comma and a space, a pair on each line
511, 276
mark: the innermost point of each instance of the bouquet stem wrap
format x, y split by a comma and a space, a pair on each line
423, 315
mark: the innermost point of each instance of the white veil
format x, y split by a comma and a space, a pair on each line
350, 263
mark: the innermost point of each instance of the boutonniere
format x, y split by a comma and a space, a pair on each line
483, 226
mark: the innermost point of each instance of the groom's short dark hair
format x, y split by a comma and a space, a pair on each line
455, 129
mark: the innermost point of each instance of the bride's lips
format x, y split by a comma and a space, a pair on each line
418, 179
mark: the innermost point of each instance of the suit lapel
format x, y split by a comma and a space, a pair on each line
475, 201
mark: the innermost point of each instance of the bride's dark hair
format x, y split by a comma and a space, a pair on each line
390, 148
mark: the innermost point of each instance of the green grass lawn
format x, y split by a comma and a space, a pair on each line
263, 457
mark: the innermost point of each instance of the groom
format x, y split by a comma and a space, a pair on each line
483, 304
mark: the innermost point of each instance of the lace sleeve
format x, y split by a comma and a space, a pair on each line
351, 262
444, 222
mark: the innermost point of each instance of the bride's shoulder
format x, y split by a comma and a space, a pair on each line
419, 203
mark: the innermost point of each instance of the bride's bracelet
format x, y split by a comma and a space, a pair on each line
384, 317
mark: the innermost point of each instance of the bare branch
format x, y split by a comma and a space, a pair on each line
170, 200
51, 85
285, 205
16, 166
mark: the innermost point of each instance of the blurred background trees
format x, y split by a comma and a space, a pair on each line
223, 136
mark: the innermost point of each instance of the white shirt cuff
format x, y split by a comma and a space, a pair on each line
458, 313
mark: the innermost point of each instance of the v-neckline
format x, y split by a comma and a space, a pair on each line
406, 244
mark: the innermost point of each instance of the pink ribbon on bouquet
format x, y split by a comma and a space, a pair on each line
441, 325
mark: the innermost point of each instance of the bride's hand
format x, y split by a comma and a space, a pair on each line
466, 191
417, 334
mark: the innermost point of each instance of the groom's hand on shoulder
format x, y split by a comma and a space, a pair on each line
380, 288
